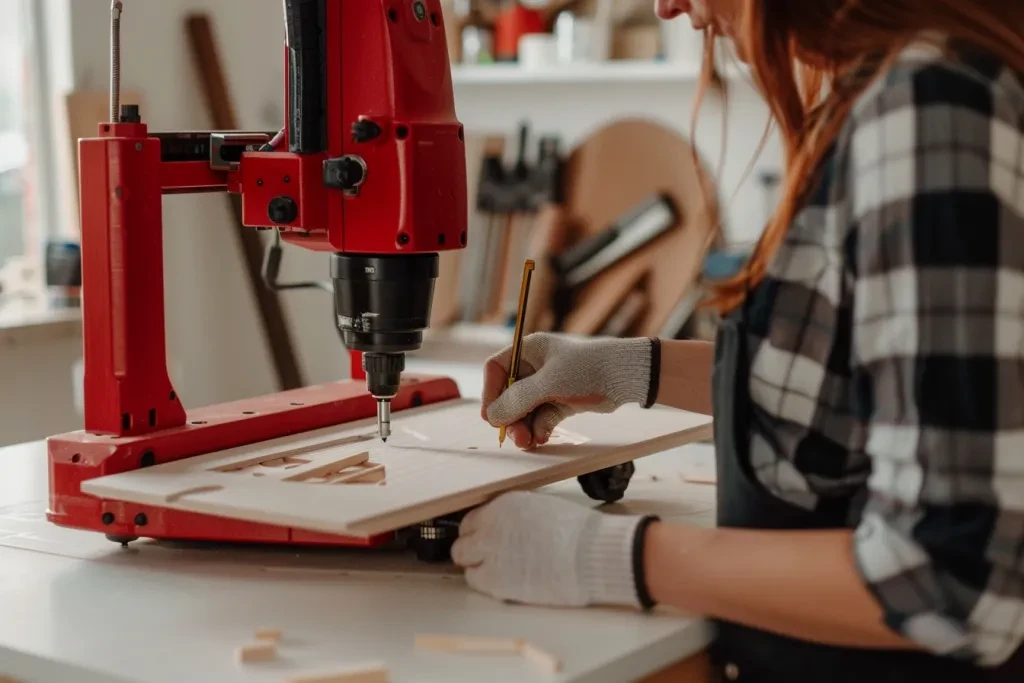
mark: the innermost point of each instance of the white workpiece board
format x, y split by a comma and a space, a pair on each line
440, 459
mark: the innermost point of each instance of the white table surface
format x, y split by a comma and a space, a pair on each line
74, 607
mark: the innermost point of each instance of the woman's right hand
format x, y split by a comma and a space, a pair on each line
560, 376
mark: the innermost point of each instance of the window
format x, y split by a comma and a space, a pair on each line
15, 188
31, 209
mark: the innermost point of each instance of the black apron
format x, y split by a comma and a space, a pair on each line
745, 654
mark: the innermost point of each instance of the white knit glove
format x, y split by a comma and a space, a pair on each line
560, 376
538, 549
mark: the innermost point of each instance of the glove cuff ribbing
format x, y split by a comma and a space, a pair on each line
628, 371
607, 560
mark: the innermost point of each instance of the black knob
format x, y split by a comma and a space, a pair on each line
364, 131
283, 210
346, 173
130, 113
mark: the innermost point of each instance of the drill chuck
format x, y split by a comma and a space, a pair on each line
383, 373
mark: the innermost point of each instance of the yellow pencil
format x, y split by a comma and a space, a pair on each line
517, 337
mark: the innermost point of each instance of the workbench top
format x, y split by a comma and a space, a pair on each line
74, 607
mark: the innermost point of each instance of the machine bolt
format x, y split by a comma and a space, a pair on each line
364, 131
283, 210
108, 518
130, 113
141, 519
403, 238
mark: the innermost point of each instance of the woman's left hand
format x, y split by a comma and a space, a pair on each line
538, 549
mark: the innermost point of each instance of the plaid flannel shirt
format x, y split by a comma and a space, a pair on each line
887, 350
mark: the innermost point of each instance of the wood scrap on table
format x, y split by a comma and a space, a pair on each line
488, 645
468, 644
363, 673
268, 634
256, 652
699, 478
542, 658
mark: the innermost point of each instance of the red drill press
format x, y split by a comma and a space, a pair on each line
370, 167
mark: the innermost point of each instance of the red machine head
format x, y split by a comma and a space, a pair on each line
373, 160
374, 168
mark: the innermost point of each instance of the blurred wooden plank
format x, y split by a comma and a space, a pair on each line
215, 90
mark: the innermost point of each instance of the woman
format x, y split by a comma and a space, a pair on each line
868, 379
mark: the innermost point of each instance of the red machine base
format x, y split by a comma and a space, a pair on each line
79, 456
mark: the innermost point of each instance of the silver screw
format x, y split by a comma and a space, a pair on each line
115, 60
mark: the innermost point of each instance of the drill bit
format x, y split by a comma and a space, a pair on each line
384, 418
517, 337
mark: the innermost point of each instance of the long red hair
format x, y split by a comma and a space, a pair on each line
800, 49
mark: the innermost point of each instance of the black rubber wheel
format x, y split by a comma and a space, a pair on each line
433, 552
432, 540
608, 485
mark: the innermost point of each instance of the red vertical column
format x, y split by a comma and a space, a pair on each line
127, 387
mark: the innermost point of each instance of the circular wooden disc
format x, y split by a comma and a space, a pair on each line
613, 170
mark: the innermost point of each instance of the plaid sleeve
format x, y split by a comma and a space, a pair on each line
935, 259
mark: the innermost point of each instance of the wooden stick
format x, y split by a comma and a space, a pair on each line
697, 479
215, 88
468, 644
545, 660
366, 673
268, 634
257, 652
